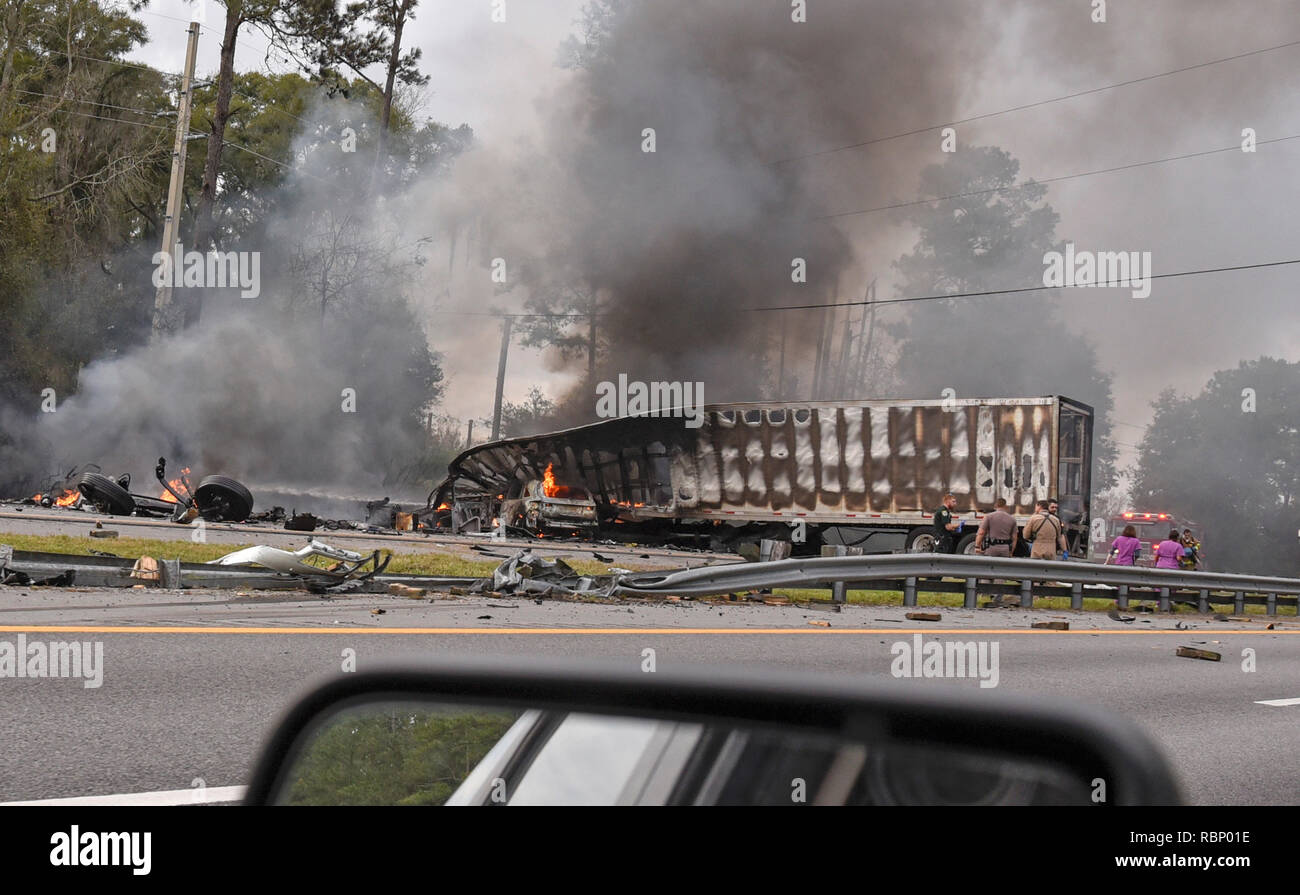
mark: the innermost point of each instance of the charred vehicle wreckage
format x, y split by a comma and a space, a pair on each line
865, 475
216, 498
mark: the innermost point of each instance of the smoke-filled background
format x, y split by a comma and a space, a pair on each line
773, 140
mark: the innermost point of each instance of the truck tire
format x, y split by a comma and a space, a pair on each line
222, 499
106, 494
920, 540
966, 546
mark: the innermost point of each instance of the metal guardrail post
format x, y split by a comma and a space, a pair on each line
1026, 593
909, 591
170, 574
840, 589
971, 583
1272, 604
1239, 602
1076, 595
1164, 599
1203, 604
1121, 599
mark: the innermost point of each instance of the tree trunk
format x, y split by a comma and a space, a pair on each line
394, 59
15, 28
203, 228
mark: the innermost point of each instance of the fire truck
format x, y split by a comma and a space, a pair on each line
1152, 528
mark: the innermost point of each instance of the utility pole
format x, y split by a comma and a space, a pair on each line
163, 316
506, 324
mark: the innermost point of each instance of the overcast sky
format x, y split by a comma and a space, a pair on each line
1217, 210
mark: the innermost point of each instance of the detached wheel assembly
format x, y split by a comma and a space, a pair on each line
222, 499
107, 495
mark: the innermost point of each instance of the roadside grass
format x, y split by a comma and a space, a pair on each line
444, 564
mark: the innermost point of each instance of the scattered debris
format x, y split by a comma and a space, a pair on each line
1126, 619
600, 557
525, 573
274, 514
378, 611
924, 616
302, 522
405, 590
146, 568
348, 571
482, 617
821, 623
1052, 626
103, 533
1191, 652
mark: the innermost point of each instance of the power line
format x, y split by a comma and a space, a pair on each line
157, 127
1063, 177
122, 63
1042, 102
92, 102
1024, 289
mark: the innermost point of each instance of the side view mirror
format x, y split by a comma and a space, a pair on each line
468, 732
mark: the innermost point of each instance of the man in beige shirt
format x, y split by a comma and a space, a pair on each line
997, 533
1045, 532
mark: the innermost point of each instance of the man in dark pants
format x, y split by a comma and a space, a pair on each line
945, 527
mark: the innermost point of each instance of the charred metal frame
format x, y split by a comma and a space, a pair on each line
846, 462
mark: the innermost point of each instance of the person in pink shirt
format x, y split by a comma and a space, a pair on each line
1124, 549
1169, 551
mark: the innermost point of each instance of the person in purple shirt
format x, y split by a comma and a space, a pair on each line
1124, 549
1168, 551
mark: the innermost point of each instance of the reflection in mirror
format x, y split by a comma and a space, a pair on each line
421, 753
393, 754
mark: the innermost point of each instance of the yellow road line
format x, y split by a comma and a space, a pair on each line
336, 629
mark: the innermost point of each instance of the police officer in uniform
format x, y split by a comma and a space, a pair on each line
945, 527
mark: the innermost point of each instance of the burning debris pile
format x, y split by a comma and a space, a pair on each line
215, 498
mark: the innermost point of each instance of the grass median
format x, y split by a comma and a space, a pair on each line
187, 551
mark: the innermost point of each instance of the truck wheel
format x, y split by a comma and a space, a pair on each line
222, 499
920, 540
106, 494
966, 546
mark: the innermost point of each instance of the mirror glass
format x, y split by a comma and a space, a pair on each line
424, 753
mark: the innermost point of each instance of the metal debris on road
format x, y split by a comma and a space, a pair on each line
1191, 652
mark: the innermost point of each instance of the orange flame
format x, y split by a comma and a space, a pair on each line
443, 506
69, 498
178, 484
548, 482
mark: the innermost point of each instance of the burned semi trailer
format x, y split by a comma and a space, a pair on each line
863, 474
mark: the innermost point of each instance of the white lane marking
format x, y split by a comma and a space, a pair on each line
196, 796
1295, 701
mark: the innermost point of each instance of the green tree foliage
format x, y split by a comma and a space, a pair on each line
533, 415
1233, 470
404, 755
993, 238
84, 154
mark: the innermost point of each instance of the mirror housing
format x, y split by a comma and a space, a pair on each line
1092, 746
